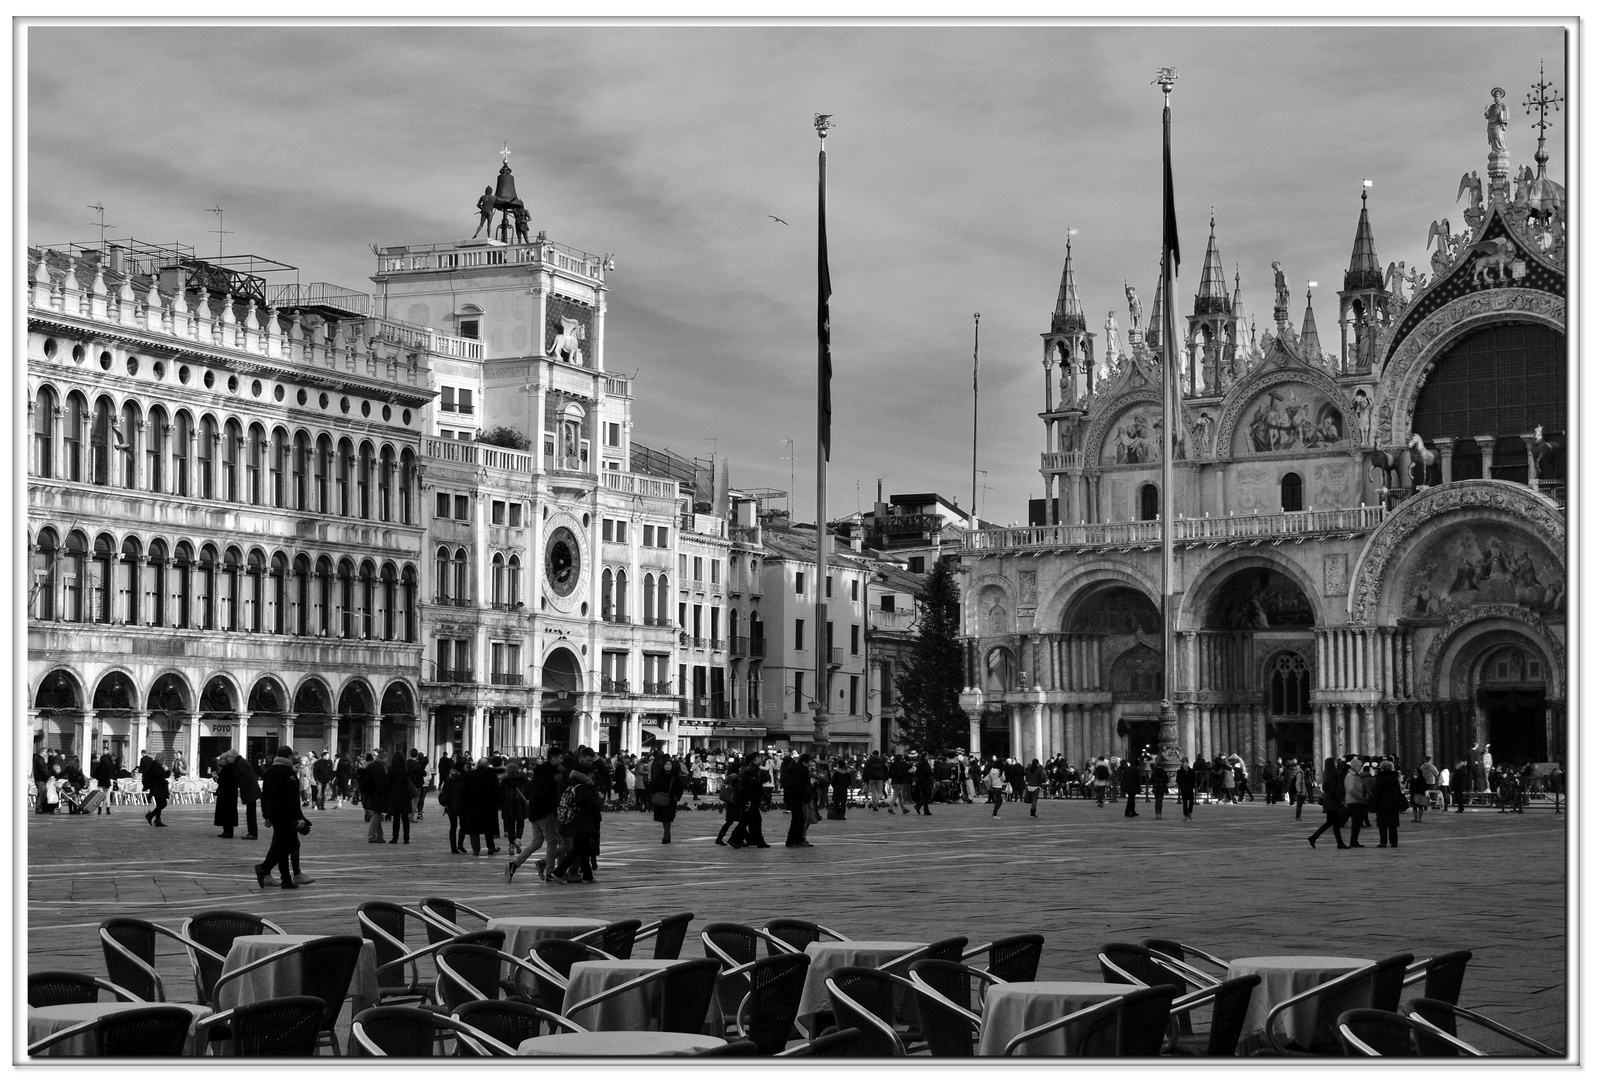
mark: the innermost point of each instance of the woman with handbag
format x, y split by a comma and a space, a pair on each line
666, 786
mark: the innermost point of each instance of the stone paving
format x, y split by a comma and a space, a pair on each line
1237, 880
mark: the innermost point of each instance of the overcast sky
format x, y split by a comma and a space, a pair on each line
961, 158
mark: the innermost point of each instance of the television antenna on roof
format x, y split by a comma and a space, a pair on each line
101, 210
219, 230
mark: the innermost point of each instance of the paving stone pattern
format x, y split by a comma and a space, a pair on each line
1237, 880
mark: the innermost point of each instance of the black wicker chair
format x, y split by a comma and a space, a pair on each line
1446, 1017
129, 945
444, 917
1442, 975
668, 933
511, 1022
1011, 959
616, 938
404, 1031
798, 933
1379, 1033
271, 1027
71, 988
155, 1031
1229, 1001
217, 931
326, 966
552, 960
766, 1013
836, 1043
864, 998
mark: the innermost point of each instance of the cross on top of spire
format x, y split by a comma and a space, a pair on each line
506, 154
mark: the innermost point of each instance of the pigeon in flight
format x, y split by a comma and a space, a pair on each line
780, 220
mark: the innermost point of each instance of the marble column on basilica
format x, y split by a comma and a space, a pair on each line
1187, 730
191, 724
1014, 730
137, 734
371, 722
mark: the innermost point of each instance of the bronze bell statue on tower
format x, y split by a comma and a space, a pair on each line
503, 199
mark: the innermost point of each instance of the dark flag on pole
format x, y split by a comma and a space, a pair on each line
1170, 222
825, 357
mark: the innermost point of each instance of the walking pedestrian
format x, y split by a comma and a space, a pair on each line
1333, 801
1388, 802
839, 786
922, 782
996, 784
514, 805
581, 806
666, 788
1159, 785
481, 798
343, 773
374, 785
1102, 775
795, 784
280, 805
104, 772
417, 769
1554, 784
1129, 777
1296, 786
1418, 787
729, 795
1359, 789
156, 785
226, 814
748, 830
322, 778
1034, 780
900, 778
543, 790
874, 775
1185, 786
453, 799
1460, 785
399, 800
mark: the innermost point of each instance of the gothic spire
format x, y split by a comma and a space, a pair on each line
1154, 325
1070, 315
1364, 272
1311, 350
1213, 297
1236, 311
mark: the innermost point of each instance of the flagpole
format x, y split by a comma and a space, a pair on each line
820, 706
973, 496
1168, 736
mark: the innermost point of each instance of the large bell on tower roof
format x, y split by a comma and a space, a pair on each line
505, 188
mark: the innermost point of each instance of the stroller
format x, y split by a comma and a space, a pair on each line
85, 801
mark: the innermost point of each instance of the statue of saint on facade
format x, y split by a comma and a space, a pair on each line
1281, 293
1134, 307
1111, 327
1476, 190
1496, 122
486, 210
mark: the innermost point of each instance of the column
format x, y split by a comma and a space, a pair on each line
1188, 679
372, 730
191, 742
973, 733
1429, 731
1037, 711
1321, 659
1443, 455
1204, 733
1014, 730
1259, 735
1486, 443
136, 736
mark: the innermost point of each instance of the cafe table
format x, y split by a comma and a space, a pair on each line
283, 980
1015, 1007
1284, 977
49, 1019
634, 1011
617, 1044
522, 932
827, 956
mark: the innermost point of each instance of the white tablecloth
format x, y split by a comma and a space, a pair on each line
1013, 1008
50, 1019
617, 1044
633, 1011
829, 955
283, 979
1285, 977
522, 933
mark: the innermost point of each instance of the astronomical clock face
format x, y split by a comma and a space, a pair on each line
564, 567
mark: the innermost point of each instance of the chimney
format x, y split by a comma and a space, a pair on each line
116, 259
745, 511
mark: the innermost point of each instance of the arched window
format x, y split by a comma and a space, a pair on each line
183, 430
44, 433
386, 484
183, 565
1290, 493
662, 600
323, 597
46, 571
390, 601
233, 442
343, 467
345, 601
408, 479
277, 466
1149, 502
155, 584
300, 597
102, 575
648, 596
100, 443
205, 458
228, 590
156, 435
73, 579
621, 598
366, 596
1290, 685
408, 604
299, 466
277, 621
128, 451
459, 587
442, 575
72, 438
364, 482
322, 467
514, 581
606, 595
498, 580
206, 588
253, 617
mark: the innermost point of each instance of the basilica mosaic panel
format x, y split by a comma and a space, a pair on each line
1482, 564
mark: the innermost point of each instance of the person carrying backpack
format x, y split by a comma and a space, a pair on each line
1101, 775
578, 816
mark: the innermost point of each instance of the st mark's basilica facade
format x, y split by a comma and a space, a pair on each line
1369, 544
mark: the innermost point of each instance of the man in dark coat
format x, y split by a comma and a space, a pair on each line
922, 783
342, 777
226, 815
322, 776
280, 805
1129, 780
417, 771
748, 831
249, 792
105, 771
373, 782
1185, 785
795, 783
544, 787
155, 778
480, 815
41, 775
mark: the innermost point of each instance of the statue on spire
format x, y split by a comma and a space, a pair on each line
1134, 308
1496, 122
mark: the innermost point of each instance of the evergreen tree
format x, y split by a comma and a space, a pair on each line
928, 687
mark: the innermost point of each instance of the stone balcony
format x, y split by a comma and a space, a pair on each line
1241, 528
